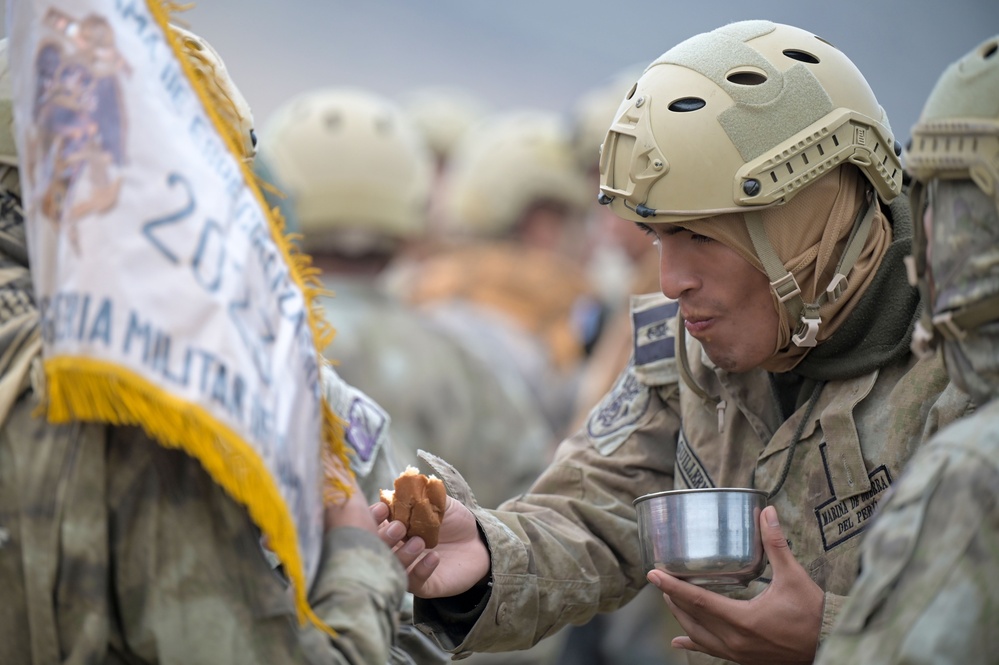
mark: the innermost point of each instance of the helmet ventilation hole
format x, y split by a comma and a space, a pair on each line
801, 56
687, 104
990, 50
383, 125
332, 120
747, 77
631, 93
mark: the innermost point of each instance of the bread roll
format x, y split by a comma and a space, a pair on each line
418, 502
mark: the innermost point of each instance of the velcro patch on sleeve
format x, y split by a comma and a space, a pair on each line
367, 428
366, 422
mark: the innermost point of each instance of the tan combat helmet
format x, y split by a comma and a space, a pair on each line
443, 114
741, 119
955, 143
228, 101
507, 164
8, 149
355, 169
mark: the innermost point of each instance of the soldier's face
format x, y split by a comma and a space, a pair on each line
724, 299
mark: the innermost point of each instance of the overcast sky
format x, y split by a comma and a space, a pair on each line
547, 53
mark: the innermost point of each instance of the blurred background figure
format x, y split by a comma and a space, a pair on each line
443, 115
512, 285
358, 179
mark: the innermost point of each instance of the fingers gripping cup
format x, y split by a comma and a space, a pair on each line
708, 537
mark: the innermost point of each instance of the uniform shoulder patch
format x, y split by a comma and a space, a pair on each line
653, 320
367, 425
615, 417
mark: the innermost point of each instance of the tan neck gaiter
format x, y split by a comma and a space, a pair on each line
810, 234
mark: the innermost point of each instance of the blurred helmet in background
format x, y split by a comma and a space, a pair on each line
443, 114
507, 165
356, 171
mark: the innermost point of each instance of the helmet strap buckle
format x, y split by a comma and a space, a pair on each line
837, 287
923, 342
808, 330
911, 271
786, 287
948, 328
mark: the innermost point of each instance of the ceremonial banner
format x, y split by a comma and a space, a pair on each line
169, 297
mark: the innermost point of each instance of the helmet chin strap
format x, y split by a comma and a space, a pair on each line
785, 286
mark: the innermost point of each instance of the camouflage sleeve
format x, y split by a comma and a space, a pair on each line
567, 549
831, 608
359, 588
929, 573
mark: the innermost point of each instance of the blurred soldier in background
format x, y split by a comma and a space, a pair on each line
930, 563
442, 115
513, 287
358, 178
114, 548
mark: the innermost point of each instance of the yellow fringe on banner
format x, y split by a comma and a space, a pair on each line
87, 389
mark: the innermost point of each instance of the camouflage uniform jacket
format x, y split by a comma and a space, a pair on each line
931, 560
114, 549
569, 548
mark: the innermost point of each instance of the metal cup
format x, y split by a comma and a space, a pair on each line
708, 537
